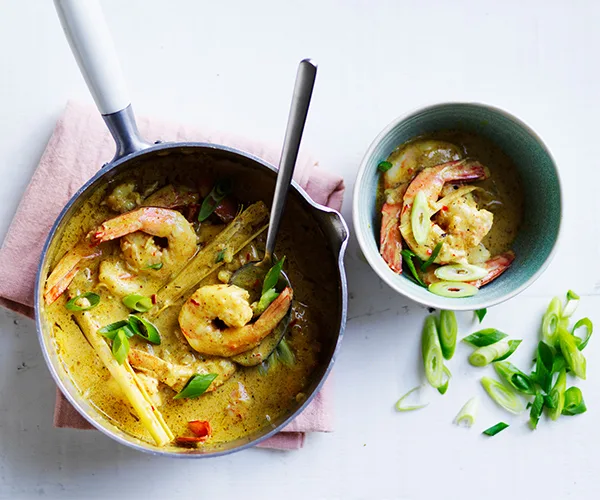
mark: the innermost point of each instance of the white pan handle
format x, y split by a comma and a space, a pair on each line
91, 43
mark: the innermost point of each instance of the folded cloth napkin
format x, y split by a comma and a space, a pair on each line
79, 145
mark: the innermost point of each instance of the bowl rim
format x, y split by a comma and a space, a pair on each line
386, 274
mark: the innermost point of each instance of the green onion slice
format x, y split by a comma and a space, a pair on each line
83, 302
550, 321
512, 347
419, 218
110, 331
432, 353
196, 386
573, 356
571, 305
446, 381
144, 329
155, 267
515, 377
120, 346
589, 327
480, 313
544, 366
495, 429
468, 413
448, 331
499, 351
453, 289
536, 410
408, 259
502, 395
460, 272
272, 277
484, 337
556, 397
220, 256
432, 257
574, 403
139, 303
285, 353
384, 166
219, 191
401, 407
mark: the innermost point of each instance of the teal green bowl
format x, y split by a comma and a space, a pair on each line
536, 242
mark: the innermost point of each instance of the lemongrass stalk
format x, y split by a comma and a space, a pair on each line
502, 395
468, 413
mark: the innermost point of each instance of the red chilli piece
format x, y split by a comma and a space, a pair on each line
190, 439
201, 428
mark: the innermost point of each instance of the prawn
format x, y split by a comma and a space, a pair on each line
407, 161
430, 181
210, 305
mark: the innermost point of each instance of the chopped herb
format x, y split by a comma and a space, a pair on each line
155, 267
220, 256
83, 302
384, 166
495, 429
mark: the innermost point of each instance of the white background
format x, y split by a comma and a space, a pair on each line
230, 65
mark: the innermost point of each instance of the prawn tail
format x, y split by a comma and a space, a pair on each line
466, 170
495, 267
390, 244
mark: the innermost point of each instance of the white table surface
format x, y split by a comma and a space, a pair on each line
230, 65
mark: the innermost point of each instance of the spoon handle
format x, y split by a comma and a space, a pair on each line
305, 80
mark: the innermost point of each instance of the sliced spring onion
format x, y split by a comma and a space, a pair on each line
512, 347
220, 256
219, 191
120, 346
419, 218
573, 356
495, 429
401, 407
143, 328
515, 377
285, 353
265, 301
446, 381
448, 329
483, 356
155, 267
408, 259
589, 327
571, 305
83, 302
110, 331
196, 386
550, 321
574, 403
468, 413
480, 313
502, 395
272, 277
139, 303
536, 410
556, 397
544, 366
384, 166
432, 353
432, 257
453, 289
487, 336
460, 272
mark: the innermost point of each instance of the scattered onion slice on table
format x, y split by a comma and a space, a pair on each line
468, 413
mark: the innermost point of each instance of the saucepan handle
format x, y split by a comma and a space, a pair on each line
92, 46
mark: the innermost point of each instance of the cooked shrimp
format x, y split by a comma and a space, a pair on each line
116, 278
160, 222
176, 376
172, 197
430, 181
124, 197
407, 161
200, 316
66, 269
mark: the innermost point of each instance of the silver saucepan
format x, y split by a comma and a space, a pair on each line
90, 42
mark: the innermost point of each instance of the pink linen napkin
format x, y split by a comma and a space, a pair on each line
79, 145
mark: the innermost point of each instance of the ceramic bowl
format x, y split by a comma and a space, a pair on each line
538, 234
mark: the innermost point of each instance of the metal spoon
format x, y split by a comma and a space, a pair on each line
253, 273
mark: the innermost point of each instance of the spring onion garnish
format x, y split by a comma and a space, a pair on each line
110, 331
468, 413
400, 407
446, 381
419, 218
155, 267
285, 353
483, 356
571, 305
480, 313
550, 321
574, 403
487, 336
453, 289
220, 256
144, 329
512, 347
120, 346
573, 356
139, 303
432, 353
384, 166
460, 272
495, 429
544, 366
408, 259
432, 257
220, 190
269, 294
502, 395
556, 399
536, 410
515, 377
589, 327
83, 302
196, 386
448, 331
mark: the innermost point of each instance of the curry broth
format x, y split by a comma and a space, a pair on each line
312, 272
